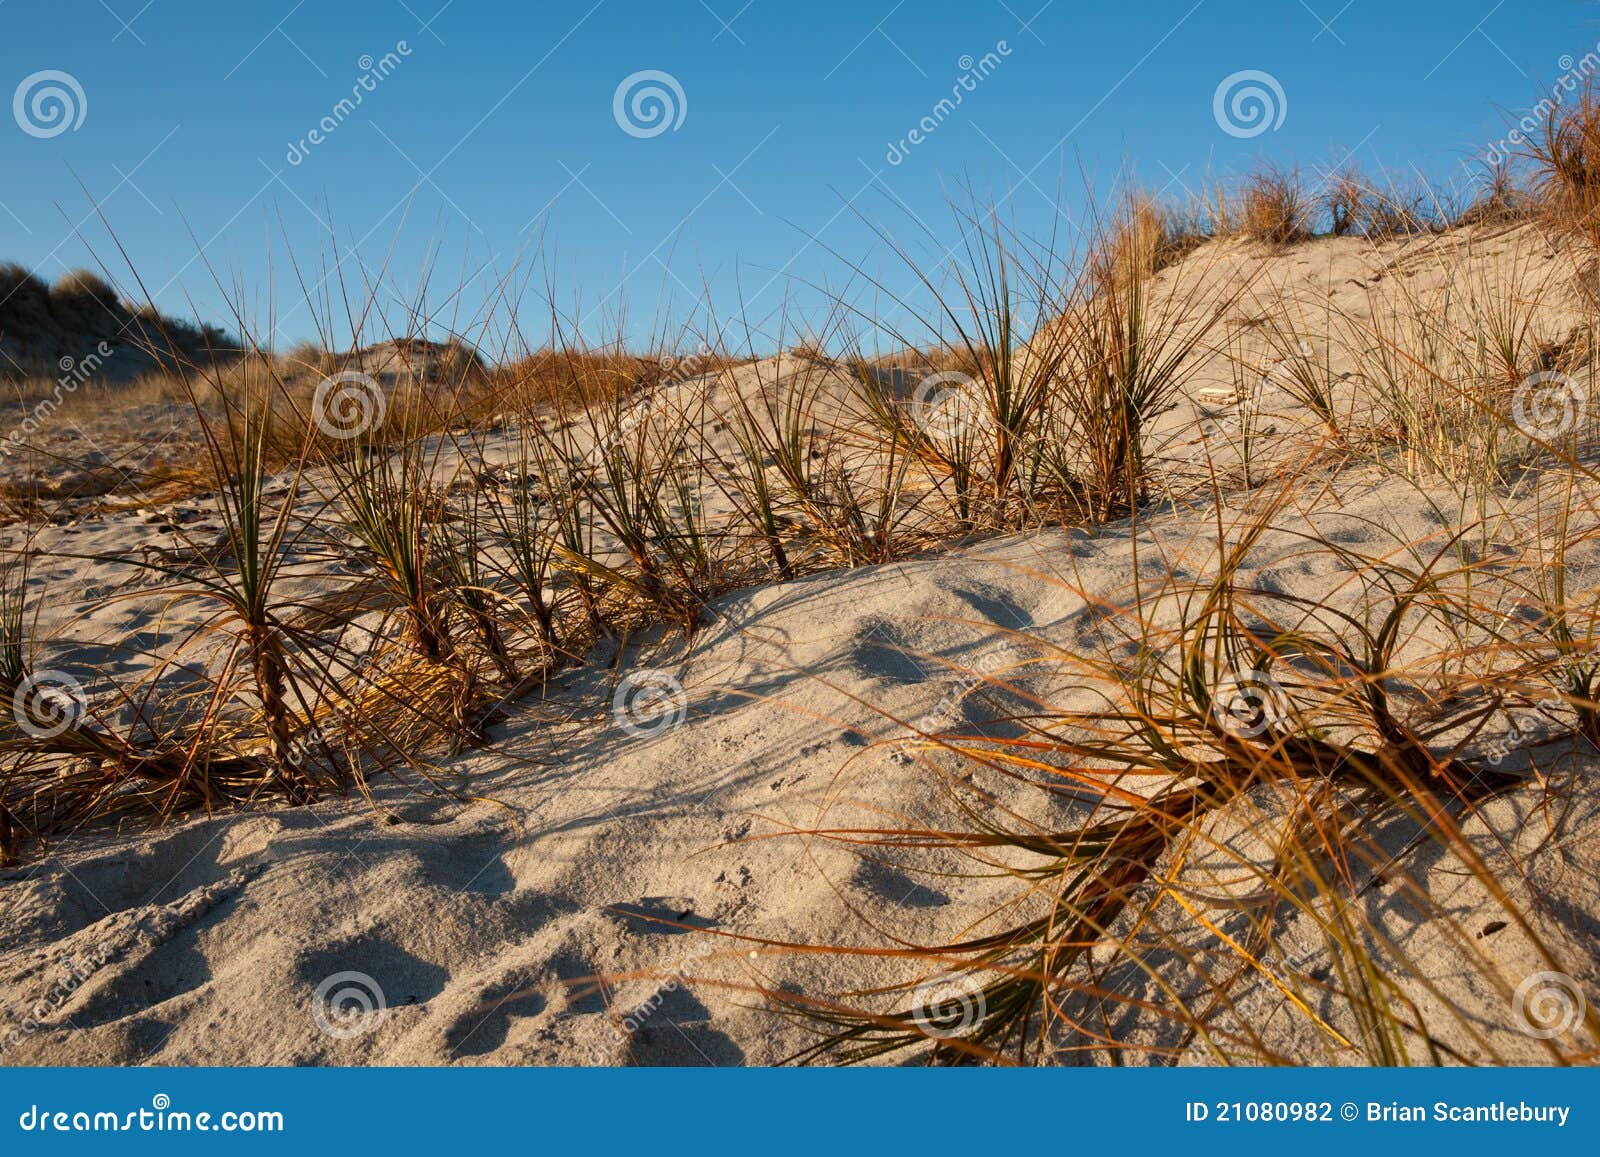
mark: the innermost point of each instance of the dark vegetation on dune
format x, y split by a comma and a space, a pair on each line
43, 326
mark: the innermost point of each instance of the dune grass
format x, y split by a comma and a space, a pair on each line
1245, 755
1245, 765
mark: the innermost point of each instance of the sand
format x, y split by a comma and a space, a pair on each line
664, 858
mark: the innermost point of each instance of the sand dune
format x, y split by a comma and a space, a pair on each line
662, 856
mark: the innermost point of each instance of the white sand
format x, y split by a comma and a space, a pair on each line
206, 942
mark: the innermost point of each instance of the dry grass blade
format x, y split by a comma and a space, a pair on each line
1251, 746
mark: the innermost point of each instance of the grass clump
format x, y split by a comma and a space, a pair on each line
1237, 763
1567, 161
1272, 206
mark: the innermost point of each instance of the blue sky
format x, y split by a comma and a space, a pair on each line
492, 136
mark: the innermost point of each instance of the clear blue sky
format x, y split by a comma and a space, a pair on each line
496, 123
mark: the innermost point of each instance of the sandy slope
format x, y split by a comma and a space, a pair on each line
471, 917
206, 942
